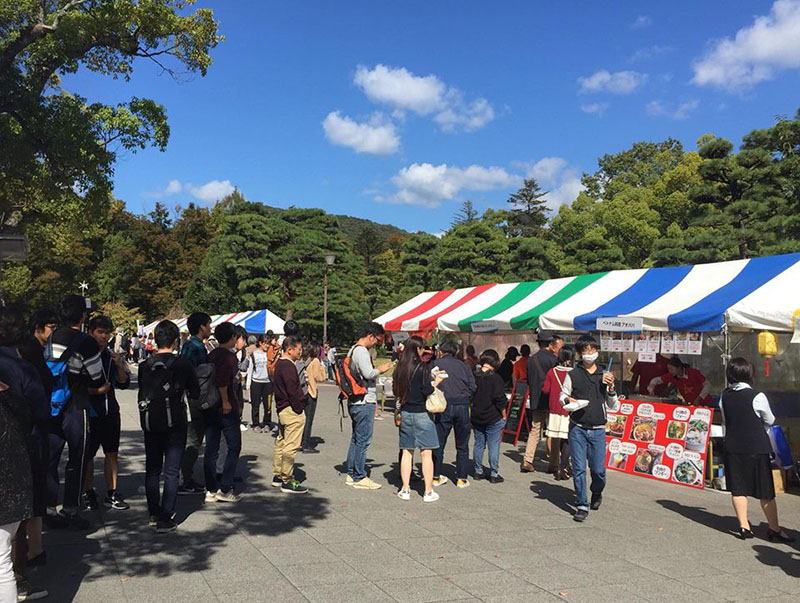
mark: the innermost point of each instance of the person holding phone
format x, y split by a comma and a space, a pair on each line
585, 393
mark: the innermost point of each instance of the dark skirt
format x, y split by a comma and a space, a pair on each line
749, 475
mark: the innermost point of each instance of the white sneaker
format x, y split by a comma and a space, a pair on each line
404, 494
242, 427
348, 481
211, 497
230, 496
441, 480
430, 497
462, 483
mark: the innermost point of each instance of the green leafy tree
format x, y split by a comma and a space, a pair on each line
55, 142
417, 257
470, 254
532, 259
529, 212
467, 214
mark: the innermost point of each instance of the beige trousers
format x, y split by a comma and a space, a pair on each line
287, 443
538, 426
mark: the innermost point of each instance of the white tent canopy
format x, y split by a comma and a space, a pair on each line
253, 321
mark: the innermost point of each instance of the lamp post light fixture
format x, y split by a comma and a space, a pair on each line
330, 258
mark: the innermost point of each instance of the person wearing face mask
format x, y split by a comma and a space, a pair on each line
586, 391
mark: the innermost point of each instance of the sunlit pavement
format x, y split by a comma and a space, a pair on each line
514, 541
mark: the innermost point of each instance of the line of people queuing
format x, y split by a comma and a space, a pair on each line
58, 391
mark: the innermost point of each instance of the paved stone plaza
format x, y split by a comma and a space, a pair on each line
514, 541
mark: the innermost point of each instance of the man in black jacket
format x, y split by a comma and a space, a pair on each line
458, 389
538, 365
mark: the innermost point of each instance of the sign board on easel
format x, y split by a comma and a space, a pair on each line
515, 414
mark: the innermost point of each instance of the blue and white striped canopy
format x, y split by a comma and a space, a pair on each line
755, 294
254, 321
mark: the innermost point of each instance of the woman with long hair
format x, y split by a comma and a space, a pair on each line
558, 419
315, 374
411, 385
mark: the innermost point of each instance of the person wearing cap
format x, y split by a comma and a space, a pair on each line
506, 369
538, 366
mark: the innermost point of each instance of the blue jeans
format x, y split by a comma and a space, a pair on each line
587, 444
456, 418
227, 425
363, 419
487, 435
163, 453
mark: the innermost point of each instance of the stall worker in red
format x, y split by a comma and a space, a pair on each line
690, 382
642, 373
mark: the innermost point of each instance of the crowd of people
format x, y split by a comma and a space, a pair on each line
58, 388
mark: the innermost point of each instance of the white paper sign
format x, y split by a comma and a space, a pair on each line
647, 356
485, 326
620, 324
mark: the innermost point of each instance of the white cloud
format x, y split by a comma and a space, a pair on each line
567, 189
424, 95
428, 185
212, 191
681, 111
173, 188
546, 170
757, 53
208, 193
562, 183
594, 108
641, 21
620, 82
377, 137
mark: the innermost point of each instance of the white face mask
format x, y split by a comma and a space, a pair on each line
590, 358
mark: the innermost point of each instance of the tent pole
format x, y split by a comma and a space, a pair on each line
726, 352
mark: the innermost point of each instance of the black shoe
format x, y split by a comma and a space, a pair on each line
309, 450
164, 526
90, 501
153, 521
597, 500
293, 487
277, 482
778, 536
479, 476
75, 521
191, 488
113, 501
54, 522
744, 534
40, 559
580, 515
27, 592
496, 479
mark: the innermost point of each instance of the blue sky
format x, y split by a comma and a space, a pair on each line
398, 112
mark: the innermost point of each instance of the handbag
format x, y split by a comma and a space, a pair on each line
781, 455
436, 403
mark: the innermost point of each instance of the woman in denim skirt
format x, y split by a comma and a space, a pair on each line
411, 385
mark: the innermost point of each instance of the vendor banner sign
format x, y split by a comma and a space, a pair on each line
659, 441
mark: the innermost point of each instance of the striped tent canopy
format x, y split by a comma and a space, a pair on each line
254, 321
756, 294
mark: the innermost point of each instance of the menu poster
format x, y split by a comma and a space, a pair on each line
682, 343
695, 344
659, 441
648, 342
606, 338
627, 342
668, 343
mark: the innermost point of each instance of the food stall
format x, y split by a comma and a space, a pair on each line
704, 313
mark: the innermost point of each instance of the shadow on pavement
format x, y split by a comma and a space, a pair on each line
788, 561
557, 495
726, 525
122, 542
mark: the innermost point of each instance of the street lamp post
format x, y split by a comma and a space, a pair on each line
330, 258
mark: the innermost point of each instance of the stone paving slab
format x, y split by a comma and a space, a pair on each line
502, 543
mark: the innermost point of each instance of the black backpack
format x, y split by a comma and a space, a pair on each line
209, 392
160, 402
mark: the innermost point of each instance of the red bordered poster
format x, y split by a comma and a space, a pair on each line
659, 441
